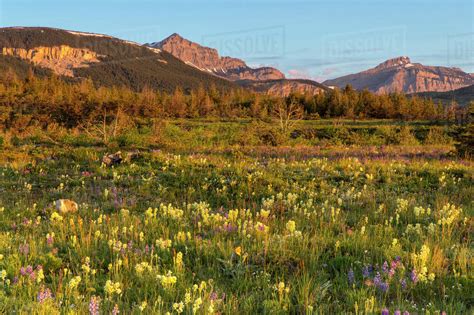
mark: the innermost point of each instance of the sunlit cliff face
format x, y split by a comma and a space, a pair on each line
61, 59
208, 59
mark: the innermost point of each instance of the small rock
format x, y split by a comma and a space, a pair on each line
112, 159
66, 205
132, 156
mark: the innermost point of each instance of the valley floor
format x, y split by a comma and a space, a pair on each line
210, 217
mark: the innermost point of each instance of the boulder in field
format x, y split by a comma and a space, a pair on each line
66, 206
112, 159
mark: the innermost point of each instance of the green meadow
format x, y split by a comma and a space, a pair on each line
231, 217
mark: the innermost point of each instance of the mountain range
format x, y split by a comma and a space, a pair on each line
263, 79
106, 60
177, 62
401, 75
174, 62
208, 59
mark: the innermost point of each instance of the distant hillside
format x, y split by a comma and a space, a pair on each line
401, 75
106, 60
284, 87
21, 67
462, 96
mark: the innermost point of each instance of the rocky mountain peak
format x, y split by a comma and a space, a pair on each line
208, 59
394, 62
175, 36
400, 75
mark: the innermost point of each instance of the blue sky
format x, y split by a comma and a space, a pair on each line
317, 39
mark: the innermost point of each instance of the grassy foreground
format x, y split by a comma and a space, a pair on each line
245, 229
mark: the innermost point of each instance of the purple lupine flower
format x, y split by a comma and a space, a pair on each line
383, 287
24, 249
404, 283
94, 305
406, 313
377, 280
50, 240
385, 267
394, 264
366, 272
397, 312
414, 276
350, 276
44, 294
29, 269
385, 311
229, 228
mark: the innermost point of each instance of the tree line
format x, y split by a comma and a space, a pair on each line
44, 100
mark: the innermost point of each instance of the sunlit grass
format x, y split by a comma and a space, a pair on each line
256, 230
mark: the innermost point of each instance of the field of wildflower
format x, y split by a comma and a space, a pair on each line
294, 229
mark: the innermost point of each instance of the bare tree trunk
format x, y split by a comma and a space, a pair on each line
287, 114
116, 121
104, 126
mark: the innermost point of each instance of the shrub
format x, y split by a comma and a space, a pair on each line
437, 135
464, 135
406, 137
392, 135
261, 133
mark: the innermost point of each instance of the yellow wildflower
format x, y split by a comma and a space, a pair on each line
178, 307
74, 282
143, 306
55, 217
112, 288
291, 226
